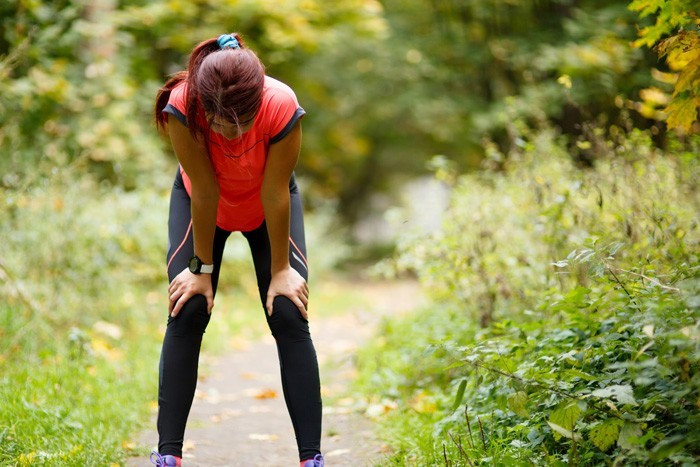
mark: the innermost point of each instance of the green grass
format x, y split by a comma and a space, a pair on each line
73, 400
82, 300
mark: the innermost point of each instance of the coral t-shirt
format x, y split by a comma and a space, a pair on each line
239, 163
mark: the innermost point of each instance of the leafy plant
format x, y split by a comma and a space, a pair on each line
676, 36
565, 319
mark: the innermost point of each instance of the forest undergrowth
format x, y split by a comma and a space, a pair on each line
564, 327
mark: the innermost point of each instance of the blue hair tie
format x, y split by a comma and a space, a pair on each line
227, 41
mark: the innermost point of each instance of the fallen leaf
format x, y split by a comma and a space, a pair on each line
383, 407
188, 445
266, 393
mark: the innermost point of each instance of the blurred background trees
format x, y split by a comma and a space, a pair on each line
387, 85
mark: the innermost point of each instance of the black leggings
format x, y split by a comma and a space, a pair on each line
183, 336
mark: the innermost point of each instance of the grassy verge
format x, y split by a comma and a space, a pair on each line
73, 403
81, 301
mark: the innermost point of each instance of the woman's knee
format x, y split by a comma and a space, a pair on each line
286, 321
192, 319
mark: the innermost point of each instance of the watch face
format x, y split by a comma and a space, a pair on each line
195, 265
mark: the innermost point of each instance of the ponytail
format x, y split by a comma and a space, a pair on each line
163, 96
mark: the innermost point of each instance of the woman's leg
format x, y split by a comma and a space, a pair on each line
299, 368
183, 337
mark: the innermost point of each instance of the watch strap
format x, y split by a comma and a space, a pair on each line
206, 269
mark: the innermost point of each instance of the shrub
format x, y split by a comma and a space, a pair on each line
565, 312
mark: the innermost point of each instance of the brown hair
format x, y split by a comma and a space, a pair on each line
225, 83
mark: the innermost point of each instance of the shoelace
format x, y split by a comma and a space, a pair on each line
318, 460
159, 459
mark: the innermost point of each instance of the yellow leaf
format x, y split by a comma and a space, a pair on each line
688, 77
654, 96
266, 393
516, 403
565, 80
682, 112
564, 416
604, 435
423, 403
188, 445
381, 408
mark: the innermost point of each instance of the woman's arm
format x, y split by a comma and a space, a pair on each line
281, 160
194, 158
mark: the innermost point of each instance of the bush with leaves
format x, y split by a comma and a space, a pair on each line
565, 316
676, 36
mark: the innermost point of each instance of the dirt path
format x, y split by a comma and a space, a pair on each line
239, 416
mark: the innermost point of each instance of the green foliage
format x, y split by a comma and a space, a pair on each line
386, 84
676, 34
67, 97
569, 302
447, 74
62, 246
80, 267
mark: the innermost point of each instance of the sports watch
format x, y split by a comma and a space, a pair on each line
197, 267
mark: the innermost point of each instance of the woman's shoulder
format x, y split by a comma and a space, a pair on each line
280, 109
178, 98
274, 89
179, 92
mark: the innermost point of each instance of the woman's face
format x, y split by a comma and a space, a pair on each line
230, 130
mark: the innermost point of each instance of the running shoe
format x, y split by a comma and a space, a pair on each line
317, 461
167, 460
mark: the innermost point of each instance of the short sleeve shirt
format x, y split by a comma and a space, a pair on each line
239, 163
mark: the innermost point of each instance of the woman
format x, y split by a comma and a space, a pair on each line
237, 136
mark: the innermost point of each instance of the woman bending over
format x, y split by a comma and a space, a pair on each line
237, 135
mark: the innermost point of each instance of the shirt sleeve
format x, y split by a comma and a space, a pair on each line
285, 112
177, 104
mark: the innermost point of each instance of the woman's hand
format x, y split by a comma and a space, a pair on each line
185, 286
288, 282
